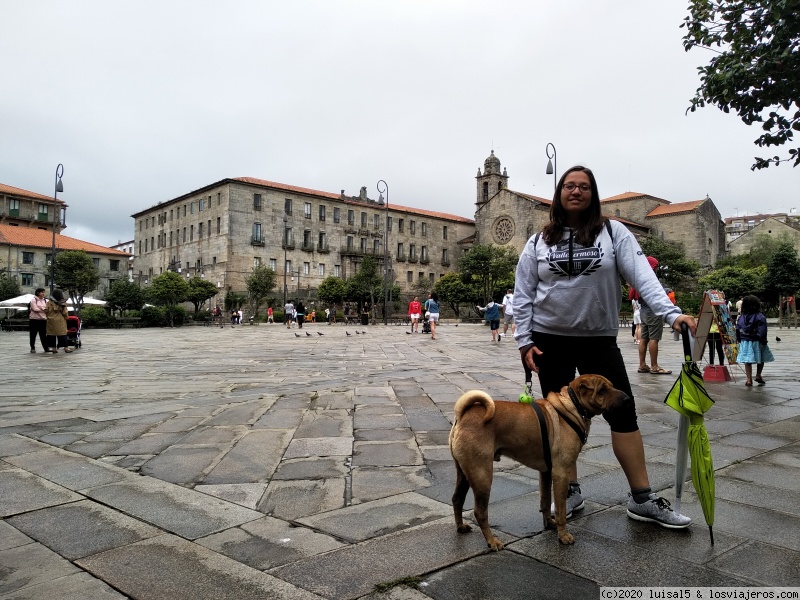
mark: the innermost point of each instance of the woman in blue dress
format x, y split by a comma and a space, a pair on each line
751, 333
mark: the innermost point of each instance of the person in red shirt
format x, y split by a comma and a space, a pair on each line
414, 311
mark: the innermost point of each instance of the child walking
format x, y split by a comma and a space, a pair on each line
751, 333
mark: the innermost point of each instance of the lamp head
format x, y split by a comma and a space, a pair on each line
380, 200
59, 186
549, 170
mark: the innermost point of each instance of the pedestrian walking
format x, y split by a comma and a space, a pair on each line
37, 319
751, 333
56, 311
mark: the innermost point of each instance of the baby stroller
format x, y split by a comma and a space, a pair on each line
74, 330
426, 324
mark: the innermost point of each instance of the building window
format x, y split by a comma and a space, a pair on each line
350, 242
321, 212
256, 262
170, 238
27, 258
140, 246
287, 266
363, 245
152, 243
412, 252
431, 277
307, 243
444, 232
388, 223
306, 268
191, 208
445, 259
321, 270
376, 246
423, 255
421, 276
170, 214
184, 238
113, 265
337, 270
256, 201
336, 215
323, 241
400, 253
485, 191
43, 212
200, 231
27, 279
219, 224
424, 229
219, 198
257, 233
363, 219
191, 233
410, 276
96, 263
200, 204
351, 217
273, 264
209, 225
287, 206
412, 227
376, 222
307, 210
400, 223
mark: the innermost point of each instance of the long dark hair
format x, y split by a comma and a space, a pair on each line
593, 220
751, 305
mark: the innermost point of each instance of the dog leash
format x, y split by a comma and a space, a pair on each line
526, 397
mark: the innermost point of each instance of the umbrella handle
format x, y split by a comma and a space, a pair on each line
687, 345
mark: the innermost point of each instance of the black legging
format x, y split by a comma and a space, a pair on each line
38, 326
715, 340
599, 355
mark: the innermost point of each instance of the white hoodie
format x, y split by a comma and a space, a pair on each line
572, 290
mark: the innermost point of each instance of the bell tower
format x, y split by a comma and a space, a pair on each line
491, 181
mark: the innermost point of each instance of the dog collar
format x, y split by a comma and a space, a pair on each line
583, 434
578, 406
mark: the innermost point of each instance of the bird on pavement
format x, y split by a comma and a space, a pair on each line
308, 334
347, 332
408, 333
777, 339
456, 324
320, 333
296, 335
358, 332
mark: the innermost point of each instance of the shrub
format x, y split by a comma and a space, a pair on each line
95, 316
159, 316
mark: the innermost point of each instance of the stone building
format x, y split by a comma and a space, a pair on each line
21, 208
225, 229
503, 216
769, 226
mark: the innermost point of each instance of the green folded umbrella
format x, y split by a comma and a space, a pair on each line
689, 397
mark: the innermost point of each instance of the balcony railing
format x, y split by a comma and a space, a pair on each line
412, 258
353, 250
401, 257
445, 262
424, 260
42, 217
288, 244
257, 241
307, 246
323, 248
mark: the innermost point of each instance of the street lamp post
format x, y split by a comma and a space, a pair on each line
552, 164
59, 188
385, 188
285, 241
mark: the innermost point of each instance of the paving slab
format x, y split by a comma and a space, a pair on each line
299, 498
371, 483
68, 469
312, 468
185, 512
386, 454
11, 445
29, 565
11, 537
268, 542
325, 446
183, 464
243, 494
21, 491
68, 587
169, 567
253, 458
81, 528
761, 563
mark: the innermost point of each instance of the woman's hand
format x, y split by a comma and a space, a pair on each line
527, 354
690, 322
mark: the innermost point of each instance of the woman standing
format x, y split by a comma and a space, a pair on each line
37, 320
566, 305
56, 311
751, 333
492, 317
433, 313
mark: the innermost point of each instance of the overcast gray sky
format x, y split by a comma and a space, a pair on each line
145, 101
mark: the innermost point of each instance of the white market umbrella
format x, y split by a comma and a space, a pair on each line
87, 300
23, 301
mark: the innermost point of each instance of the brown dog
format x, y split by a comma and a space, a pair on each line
484, 430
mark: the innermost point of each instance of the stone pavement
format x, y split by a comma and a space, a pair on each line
252, 463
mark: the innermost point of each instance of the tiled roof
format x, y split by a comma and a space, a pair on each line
672, 209
42, 238
350, 200
631, 196
10, 190
536, 198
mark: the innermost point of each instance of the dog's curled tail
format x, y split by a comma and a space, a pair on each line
474, 397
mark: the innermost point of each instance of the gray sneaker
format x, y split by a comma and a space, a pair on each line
657, 510
575, 501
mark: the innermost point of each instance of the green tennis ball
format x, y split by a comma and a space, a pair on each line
525, 398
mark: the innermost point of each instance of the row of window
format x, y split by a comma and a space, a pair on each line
321, 267
187, 209
166, 238
28, 259
14, 208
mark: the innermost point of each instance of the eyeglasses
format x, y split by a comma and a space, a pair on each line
584, 187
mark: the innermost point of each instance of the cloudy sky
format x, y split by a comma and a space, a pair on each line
145, 101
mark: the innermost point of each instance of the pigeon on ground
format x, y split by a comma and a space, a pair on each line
363, 333
347, 332
358, 332
777, 339
296, 335
308, 334
408, 333
320, 333
456, 324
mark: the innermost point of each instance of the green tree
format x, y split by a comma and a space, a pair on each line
168, 289
492, 267
734, 281
332, 290
783, 273
367, 283
674, 268
200, 290
75, 272
756, 69
452, 290
125, 295
9, 287
259, 284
